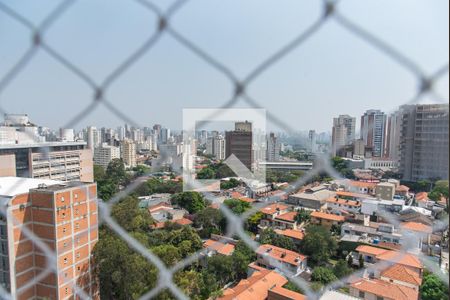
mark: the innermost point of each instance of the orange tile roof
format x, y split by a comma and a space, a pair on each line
256, 287
236, 195
289, 216
160, 206
326, 216
183, 221
221, 248
247, 199
281, 254
158, 225
402, 273
398, 257
291, 233
402, 188
344, 202
273, 208
370, 250
402, 258
422, 196
386, 289
362, 184
286, 294
418, 227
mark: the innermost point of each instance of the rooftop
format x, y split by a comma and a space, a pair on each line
256, 287
281, 254
402, 273
12, 186
418, 227
386, 289
291, 233
290, 216
221, 248
41, 145
344, 202
273, 208
326, 216
398, 257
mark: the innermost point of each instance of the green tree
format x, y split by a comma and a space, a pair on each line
224, 171
341, 269
433, 288
193, 202
169, 254
128, 214
117, 173
123, 274
209, 221
323, 275
253, 222
269, 236
303, 216
237, 206
440, 190
318, 244
222, 268
230, 184
99, 173
206, 173
242, 257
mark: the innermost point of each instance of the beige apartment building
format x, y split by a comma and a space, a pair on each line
64, 161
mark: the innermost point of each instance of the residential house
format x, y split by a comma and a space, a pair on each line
342, 206
295, 235
263, 284
326, 219
272, 257
278, 216
371, 233
312, 198
376, 289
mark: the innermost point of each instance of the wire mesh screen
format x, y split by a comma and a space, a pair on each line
164, 26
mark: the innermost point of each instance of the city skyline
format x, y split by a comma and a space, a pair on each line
142, 98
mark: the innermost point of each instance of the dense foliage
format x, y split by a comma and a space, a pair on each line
237, 206
318, 244
193, 202
269, 236
433, 288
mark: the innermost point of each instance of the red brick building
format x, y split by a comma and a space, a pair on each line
62, 216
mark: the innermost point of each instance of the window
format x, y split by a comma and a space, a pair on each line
79, 268
76, 196
65, 244
66, 290
77, 225
76, 211
65, 260
78, 255
62, 199
361, 294
64, 229
63, 215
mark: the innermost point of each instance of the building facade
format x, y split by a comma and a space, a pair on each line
343, 132
424, 142
128, 153
273, 148
239, 142
64, 218
373, 131
104, 154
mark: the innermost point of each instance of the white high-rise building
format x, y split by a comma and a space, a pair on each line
93, 138
215, 146
373, 131
104, 154
312, 137
343, 132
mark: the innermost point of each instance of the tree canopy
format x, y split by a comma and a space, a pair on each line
318, 244
193, 202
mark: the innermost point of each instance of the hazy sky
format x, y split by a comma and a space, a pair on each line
333, 73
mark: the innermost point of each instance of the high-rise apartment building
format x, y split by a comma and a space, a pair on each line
128, 153
373, 131
424, 141
343, 133
393, 136
62, 216
104, 154
273, 148
93, 138
312, 139
239, 142
215, 146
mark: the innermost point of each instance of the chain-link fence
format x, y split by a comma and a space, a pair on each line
164, 26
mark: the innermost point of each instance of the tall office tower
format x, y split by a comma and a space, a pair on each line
343, 133
392, 142
239, 142
424, 141
127, 131
273, 148
104, 154
164, 135
62, 216
312, 138
128, 153
215, 146
373, 131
